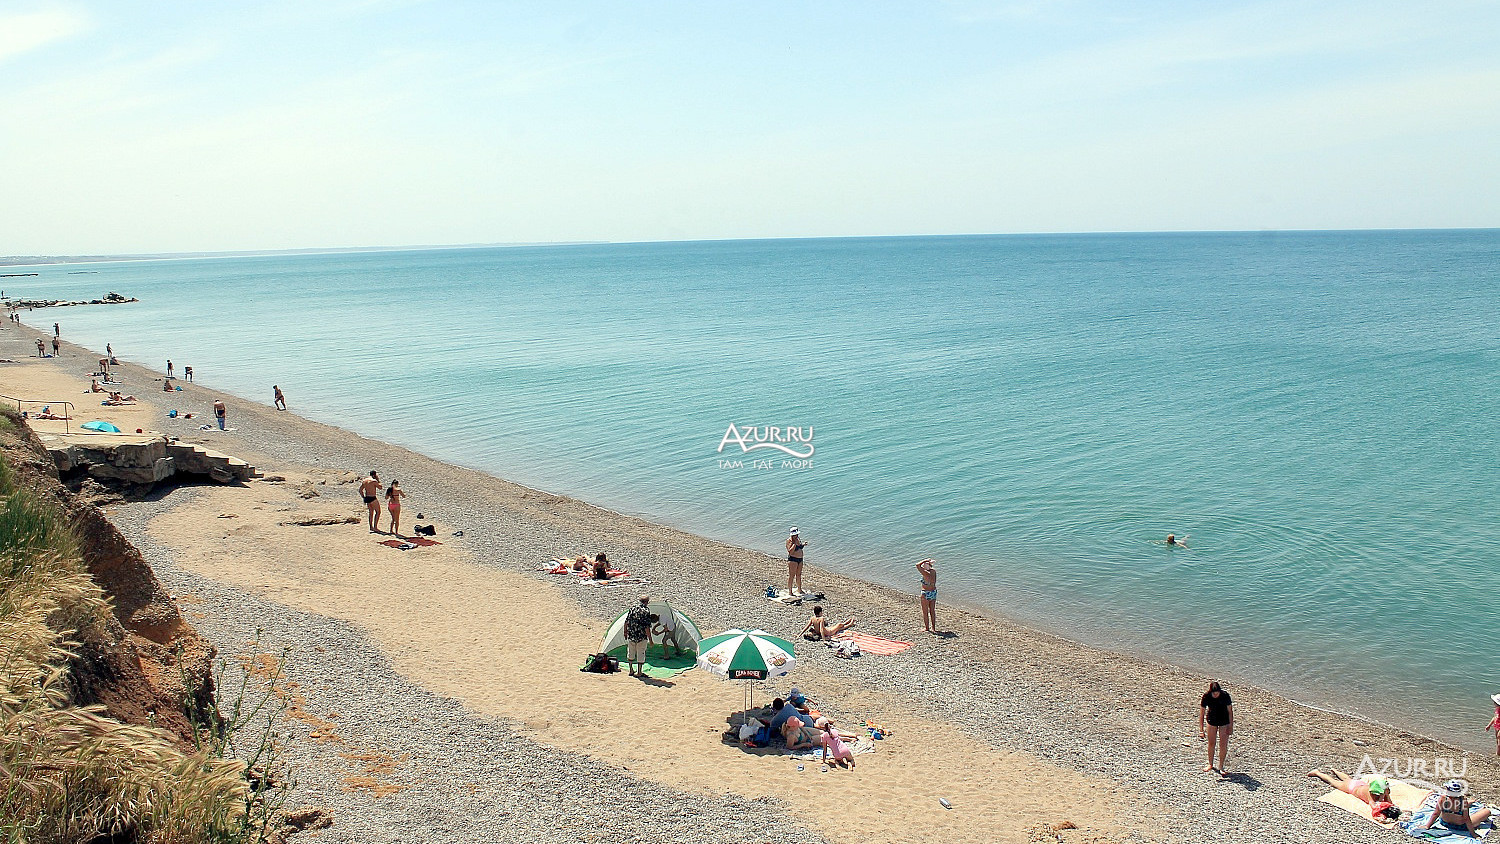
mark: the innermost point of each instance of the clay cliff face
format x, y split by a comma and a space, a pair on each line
145, 664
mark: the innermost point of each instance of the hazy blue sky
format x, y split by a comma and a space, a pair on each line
159, 126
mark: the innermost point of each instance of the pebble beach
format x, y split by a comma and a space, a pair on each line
438, 697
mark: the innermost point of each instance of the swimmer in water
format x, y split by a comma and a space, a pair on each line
1174, 542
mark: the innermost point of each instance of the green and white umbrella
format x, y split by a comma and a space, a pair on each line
748, 655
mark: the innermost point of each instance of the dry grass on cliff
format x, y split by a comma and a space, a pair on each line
69, 773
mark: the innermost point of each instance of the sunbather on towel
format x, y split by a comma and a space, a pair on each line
601, 566
1373, 790
580, 563
1454, 810
799, 736
819, 628
784, 710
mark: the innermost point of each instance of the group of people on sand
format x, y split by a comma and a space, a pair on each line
818, 627
369, 489
641, 625
1453, 809
598, 568
796, 723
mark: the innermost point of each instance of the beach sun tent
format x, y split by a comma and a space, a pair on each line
98, 425
748, 655
687, 632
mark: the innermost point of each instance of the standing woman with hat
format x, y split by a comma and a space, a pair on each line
1495, 723
794, 546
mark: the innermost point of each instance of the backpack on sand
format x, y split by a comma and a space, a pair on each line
601, 664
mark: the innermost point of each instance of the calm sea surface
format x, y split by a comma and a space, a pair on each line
1317, 410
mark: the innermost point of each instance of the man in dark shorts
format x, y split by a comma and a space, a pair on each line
369, 489
280, 399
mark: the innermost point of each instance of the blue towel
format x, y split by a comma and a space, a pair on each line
1440, 831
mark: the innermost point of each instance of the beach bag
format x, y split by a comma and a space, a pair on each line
426, 530
601, 664
846, 649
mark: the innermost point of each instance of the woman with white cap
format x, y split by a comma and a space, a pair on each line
794, 546
1453, 809
1495, 723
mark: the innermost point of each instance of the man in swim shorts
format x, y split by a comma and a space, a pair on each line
928, 569
369, 489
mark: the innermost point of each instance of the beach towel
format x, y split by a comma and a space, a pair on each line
408, 544
612, 580
785, 597
658, 665
1404, 796
1440, 831
857, 745
873, 644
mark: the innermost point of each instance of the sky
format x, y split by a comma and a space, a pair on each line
146, 127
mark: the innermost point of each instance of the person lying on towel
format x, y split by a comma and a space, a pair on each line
818, 627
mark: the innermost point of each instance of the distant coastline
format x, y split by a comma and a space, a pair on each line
37, 260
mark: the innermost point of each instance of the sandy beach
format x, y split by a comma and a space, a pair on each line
439, 697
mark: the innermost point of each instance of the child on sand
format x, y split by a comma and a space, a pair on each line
833, 744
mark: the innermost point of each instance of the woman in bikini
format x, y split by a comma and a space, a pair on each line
393, 495
1373, 790
794, 546
818, 627
928, 570
1495, 723
1455, 811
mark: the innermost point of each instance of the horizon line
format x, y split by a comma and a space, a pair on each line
38, 260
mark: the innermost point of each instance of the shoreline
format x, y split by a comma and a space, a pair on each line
965, 607
1007, 672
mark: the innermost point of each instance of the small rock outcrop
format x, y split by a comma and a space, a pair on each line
145, 463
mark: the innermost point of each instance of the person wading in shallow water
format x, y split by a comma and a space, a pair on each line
280, 399
369, 489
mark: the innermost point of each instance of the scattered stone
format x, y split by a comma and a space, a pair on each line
324, 520
308, 817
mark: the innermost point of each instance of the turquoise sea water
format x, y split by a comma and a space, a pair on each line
1317, 410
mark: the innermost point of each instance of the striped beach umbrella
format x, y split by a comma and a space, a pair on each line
747, 655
